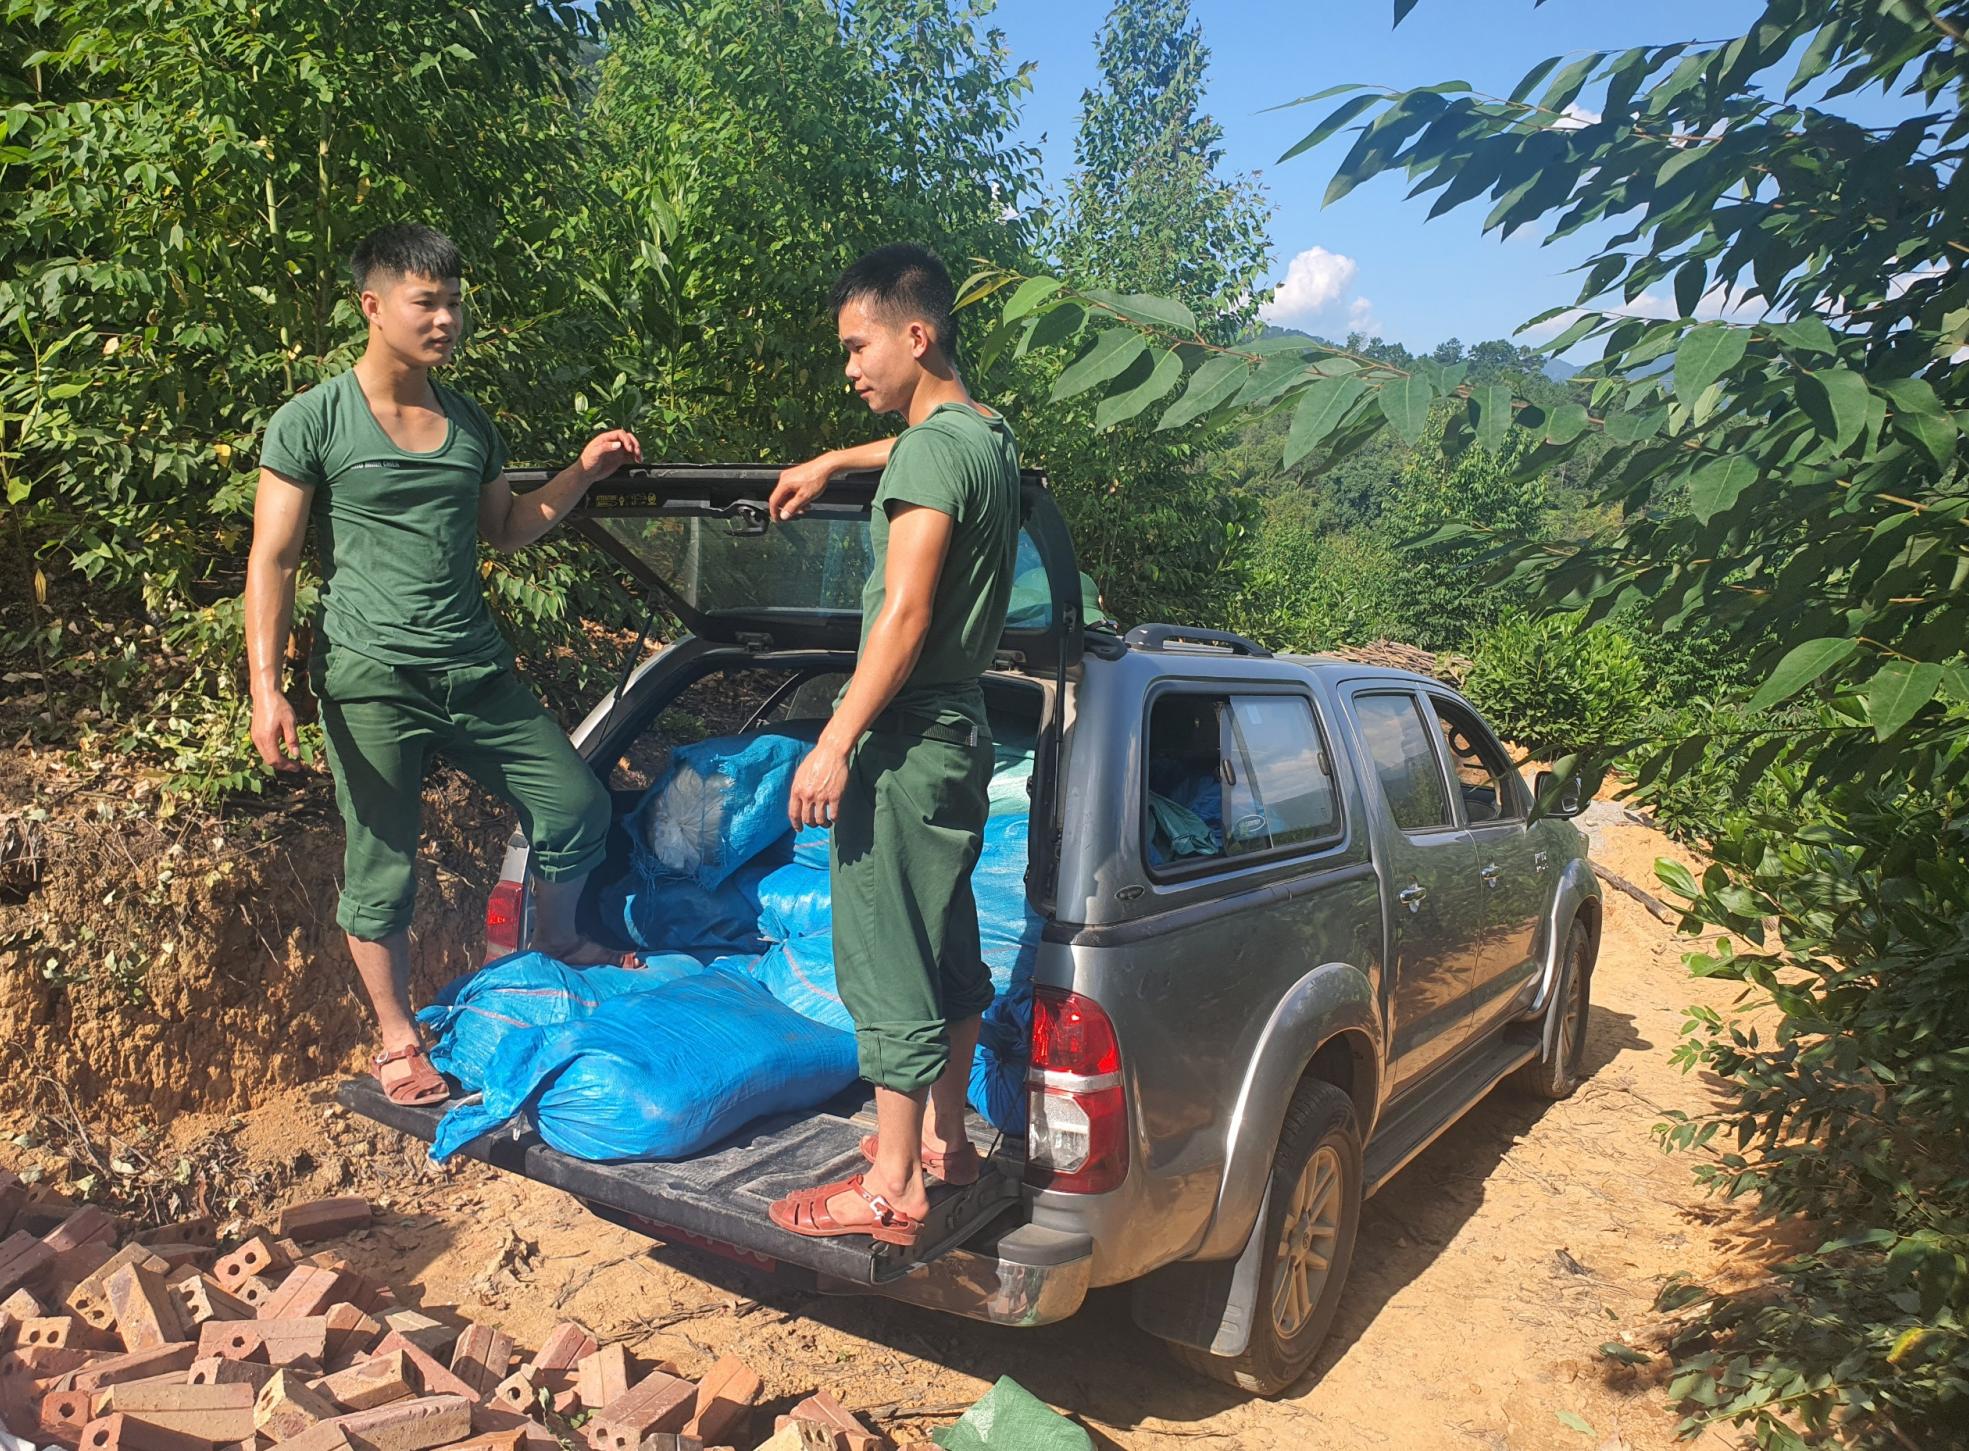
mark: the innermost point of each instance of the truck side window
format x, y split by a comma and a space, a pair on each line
1397, 741
1482, 774
1280, 792
1184, 811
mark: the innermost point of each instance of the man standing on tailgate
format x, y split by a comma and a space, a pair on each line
403, 477
902, 770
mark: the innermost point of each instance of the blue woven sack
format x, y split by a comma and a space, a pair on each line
718, 805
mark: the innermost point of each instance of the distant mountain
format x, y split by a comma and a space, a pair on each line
1558, 370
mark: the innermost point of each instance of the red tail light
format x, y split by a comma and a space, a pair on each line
503, 910
1078, 1143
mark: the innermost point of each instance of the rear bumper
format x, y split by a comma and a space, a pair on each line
1025, 1277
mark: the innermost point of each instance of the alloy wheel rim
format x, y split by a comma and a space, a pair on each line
1309, 1240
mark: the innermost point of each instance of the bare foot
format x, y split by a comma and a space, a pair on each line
581, 952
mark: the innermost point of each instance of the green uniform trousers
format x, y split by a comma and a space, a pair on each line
907, 962
384, 722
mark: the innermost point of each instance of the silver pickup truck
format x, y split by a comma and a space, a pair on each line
1291, 920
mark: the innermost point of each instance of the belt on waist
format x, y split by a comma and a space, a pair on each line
904, 723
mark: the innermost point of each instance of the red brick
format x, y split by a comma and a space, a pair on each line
217, 1370
214, 1414
285, 1407
57, 1330
91, 1301
278, 1342
726, 1394
421, 1330
85, 1225
22, 1305
327, 1436
369, 1383
147, 1313
254, 1258
199, 1231
63, 1415
320, 1219
480, 1358
253, 1291
658, 1402
13, 1198
126, 1433
307, 1290
23, 1260
672, 1441
136, 1365
432, 1378
604, 1376
564, 1347
414, 1425
200, 1298
508, 1440
180, 1257
821, 1409
518, 1393
44, 1362
350, 1332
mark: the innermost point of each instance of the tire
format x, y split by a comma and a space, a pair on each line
1556, 1077
1319, 1152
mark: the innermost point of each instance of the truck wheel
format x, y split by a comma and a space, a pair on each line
1557, 1076
1314, 1214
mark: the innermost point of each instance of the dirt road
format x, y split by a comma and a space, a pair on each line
1488, 1275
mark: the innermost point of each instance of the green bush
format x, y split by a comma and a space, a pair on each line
1556, 687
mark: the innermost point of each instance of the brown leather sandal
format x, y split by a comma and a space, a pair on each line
420, 1084
958, 1168
805, 1213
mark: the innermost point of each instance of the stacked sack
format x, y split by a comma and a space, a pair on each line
736, 1014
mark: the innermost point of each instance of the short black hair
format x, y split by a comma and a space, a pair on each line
902, 282
409, 249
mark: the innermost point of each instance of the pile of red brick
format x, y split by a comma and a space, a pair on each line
167, 1340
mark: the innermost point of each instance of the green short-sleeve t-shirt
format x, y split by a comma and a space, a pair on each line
964, 464
397, 531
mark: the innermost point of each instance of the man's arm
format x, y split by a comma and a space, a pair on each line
513, 521
800, 485
919, 539
280, 528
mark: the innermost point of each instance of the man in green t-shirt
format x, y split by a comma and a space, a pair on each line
402, 477
902, 771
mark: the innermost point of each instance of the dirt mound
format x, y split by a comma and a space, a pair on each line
152, 967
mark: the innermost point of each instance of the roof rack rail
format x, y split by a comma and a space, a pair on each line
1161, 637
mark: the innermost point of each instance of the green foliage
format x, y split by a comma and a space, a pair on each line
1146, 200
1154, 519
1557, 688
1786, 475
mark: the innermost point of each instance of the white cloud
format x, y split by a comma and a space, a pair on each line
1361, 318
1652, 305
1314, 281
1576, 118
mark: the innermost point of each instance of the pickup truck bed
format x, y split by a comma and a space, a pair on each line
720, 1196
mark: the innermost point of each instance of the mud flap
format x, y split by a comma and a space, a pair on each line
1207, 1304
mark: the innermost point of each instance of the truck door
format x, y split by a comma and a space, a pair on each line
1493, 803
1430, 874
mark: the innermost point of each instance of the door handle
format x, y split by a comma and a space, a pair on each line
1541, 859
1412, 895
1490, 874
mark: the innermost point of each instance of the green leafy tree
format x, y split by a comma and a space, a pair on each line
1147, 207
1155, 521
749, 153
1788, 472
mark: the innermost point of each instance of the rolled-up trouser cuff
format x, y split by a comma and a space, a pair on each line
371, 923
902, 1057
584, 849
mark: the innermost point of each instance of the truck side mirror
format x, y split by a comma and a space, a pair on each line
1569, 802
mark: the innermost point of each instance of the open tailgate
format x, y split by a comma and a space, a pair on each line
721, 1195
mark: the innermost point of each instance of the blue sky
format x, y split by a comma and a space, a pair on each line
1378, 262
